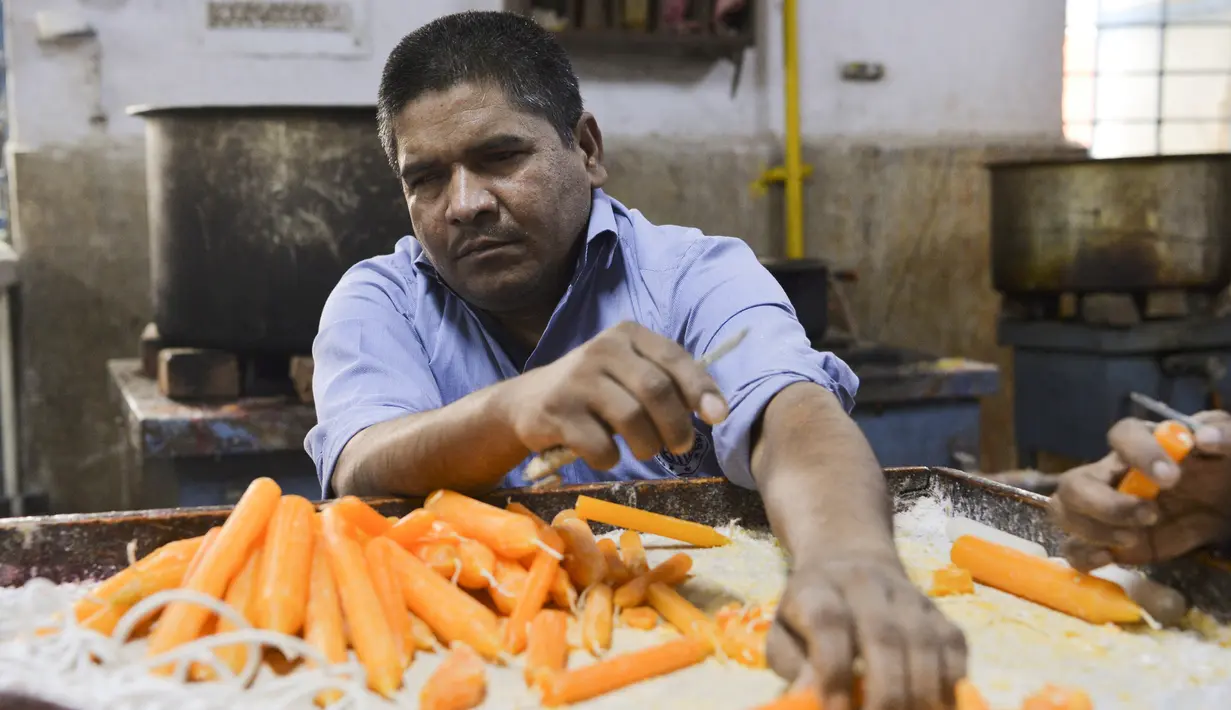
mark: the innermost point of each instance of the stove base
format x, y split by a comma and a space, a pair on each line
1072, 381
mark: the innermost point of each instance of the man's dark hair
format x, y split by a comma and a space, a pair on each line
503, 49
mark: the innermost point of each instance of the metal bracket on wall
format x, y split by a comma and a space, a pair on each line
770, 176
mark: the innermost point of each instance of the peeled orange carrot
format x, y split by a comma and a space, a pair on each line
1044, 582
510, 583
323, 627
388, 589
442, 556
362, 516
639, 617
182, 622
282, 593
1177, 441
617, 572
583, 560
538, 583
574, 686
507, 534
370, 632
451, 613
459, 683
547, 649
412, 527
596, 620
673, 570
622, 516
1052, 697
241, 596
478, 564
951, 580
563, 593
160, 570
632, 551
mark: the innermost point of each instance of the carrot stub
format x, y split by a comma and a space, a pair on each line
1041, 581
620, 671
322, 625
596, 620
538, 583
459, 683
563, 593
968, 696
478, 564
622, 516
441, 556
363, 516
286, 564
451, 613
672, 571
370, 632
182, 622
160, 570
1177, 441
389, 591
510, 584
951, 580
1052, 697
507, 534
632, 552
547, 649
412, 527
617, 572
583, 560
794, 700
639, 617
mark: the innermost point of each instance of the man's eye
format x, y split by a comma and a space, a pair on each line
422, 181
502, 156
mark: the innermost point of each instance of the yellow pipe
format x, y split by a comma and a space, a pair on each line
794, 147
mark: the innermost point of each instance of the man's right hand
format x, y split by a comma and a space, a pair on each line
1192, 510
627, 381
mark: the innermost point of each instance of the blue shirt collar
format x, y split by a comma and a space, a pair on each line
602, 222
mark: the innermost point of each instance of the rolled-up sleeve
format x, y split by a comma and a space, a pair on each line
722, 288
369, 365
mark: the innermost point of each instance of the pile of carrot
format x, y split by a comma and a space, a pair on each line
487, 583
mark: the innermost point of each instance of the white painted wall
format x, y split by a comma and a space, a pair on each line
954, 68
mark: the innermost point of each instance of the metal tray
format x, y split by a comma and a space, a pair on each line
74, 548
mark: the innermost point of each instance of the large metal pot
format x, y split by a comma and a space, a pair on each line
1127, 225
256, 212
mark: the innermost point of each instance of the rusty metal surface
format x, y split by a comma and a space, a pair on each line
1121, 226
162, 428
72, 548
256, 212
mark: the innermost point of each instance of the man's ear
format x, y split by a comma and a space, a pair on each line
590, 145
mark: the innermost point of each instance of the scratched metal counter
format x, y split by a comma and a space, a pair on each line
192, 454
73, 548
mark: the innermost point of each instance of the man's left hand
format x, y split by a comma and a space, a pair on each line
866, 606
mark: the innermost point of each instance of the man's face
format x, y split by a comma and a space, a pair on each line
497, 200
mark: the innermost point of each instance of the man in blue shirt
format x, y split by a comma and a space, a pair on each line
532, 310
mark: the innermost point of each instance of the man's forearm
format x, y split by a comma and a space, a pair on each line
465, 446
818, 476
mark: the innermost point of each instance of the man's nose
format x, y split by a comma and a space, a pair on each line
469, 197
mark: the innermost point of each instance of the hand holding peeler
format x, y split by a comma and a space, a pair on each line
542, 468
